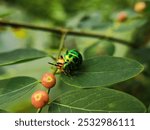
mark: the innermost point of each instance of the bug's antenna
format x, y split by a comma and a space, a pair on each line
52, 63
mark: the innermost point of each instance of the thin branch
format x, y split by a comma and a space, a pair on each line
63, 30
61, 46
39, 110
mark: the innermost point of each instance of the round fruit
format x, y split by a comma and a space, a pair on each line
48, 80
122, 16
39, 99
140, 6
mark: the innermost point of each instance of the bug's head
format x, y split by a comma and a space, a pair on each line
60, 62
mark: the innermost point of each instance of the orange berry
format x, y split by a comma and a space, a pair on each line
39, 99
48, 80
122, 16
140, 7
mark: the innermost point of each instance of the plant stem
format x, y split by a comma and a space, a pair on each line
39, 110
63, 30
61, 46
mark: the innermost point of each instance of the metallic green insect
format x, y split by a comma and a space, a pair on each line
70, 62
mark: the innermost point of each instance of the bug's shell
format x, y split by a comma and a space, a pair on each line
73, 59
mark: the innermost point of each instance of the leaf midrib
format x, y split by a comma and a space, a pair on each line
83, 109
111, 71
19, 60
19, 89
71, 107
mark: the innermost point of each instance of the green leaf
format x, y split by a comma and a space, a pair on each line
60, 88
3, 111
130, 25
5, 15
142, 55
13, 89
99, 48
103, 71
2, 71
149, 109
96, 100
20, 55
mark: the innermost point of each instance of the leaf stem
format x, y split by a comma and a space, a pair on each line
63, 30
61, 46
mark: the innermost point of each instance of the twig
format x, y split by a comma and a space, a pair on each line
63, 30
61, 46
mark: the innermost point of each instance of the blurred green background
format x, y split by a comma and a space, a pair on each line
100, 16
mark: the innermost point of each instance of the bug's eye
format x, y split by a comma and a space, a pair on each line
67, 60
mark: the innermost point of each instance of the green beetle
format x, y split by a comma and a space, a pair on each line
70, 62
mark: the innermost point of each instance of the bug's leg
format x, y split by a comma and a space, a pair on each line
68, 72
64, 71
57, 64
52, 63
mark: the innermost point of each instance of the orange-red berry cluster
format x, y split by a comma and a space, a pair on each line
40, 98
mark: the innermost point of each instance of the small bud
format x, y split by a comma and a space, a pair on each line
140, 7
122, 16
